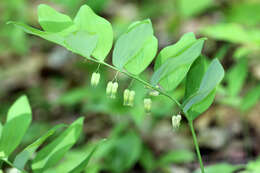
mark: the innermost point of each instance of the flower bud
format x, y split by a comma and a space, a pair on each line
147, 105
109, 88
12, 170
95, 79
126, 96
114, 90
154, 92
131, 98
176, 119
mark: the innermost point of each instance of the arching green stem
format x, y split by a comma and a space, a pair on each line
196, 146
138, 79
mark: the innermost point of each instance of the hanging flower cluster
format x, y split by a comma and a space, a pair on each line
129, 96
112, 89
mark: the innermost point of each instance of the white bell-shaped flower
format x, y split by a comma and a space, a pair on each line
176, 121
95, 79
147, 105
129, 96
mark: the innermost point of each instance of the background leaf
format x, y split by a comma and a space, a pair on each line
236, 77
11, 165
84, 163
234, 33
253, 166
251, 98
54, 151
189, 8
21, 158
123, 152
18, 120
221, 167
1, 129
177, 157
244, 13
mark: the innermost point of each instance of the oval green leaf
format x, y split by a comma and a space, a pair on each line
51, 154
133, 46
18, 120
87, 20
173, 69
22, 158
51, 20
209, 82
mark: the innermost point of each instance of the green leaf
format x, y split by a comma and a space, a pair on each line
244, 13
97, 5
147, 159
193, 81
242, 52
234, 33
202, 106
174, 62
88, 34
1, 129
251, 98
133, 45
176, 49
87, 20
194, 76
57, 38
81, 42
190, 8
177, 157
209, 82
124, 152
253, 166
84, 163
144, 57
21, 158
220, 167
18, 120
51, 20
236, 77
228, 32
53, 152
13, 166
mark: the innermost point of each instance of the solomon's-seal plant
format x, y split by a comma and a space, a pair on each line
91, 36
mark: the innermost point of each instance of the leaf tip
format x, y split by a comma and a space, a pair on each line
23, 98
10, 22
42, 6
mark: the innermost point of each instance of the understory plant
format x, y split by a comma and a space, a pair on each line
45, 152
91, 36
